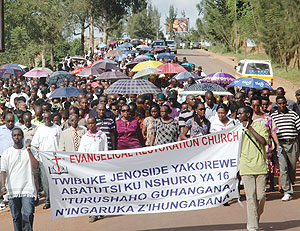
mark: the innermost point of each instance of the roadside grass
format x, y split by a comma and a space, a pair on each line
292, 74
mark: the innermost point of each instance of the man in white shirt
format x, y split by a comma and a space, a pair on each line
17, 93
46, 138
93, 141
17, 164
211, 107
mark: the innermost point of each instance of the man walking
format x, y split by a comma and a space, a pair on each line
46, 138
253, 169
17, 164
288, 123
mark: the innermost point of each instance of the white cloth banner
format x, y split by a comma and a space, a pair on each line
192, 174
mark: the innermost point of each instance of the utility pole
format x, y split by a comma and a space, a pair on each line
236, 33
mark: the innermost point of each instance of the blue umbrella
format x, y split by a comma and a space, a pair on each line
131, 52
65, 92
101, 45
146, 49
127, 45
7, 70
188, 64
166, 56
183, 76
58, 77
120, 57
120, 48
250, 83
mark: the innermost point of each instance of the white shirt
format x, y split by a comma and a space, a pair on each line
46, 138
210, 112
19, 176
217, 126
93, 142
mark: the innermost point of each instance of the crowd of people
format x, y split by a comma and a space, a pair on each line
94, 121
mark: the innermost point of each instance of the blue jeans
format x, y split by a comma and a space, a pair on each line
22, 210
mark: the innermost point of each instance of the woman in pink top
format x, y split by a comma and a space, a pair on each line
129, 131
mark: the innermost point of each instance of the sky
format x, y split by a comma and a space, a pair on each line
189, 6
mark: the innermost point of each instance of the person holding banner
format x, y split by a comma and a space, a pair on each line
198, 125
93, 141
17, 164
46, 138
253, 169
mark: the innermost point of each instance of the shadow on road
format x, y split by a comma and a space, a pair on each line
241, 226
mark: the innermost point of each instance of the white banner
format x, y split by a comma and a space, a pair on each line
187, 175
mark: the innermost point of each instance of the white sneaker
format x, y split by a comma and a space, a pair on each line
286, 197
2, 206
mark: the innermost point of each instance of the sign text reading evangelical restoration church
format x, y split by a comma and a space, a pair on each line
187, 175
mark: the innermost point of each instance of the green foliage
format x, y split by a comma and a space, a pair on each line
170, 21
144, 24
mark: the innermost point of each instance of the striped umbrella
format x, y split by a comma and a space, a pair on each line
132, 86
219, 78
7, 70
36, 74
171, 68
90, 71
112, 75
201, 89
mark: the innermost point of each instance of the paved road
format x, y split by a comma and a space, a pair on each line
278, 215
210, 63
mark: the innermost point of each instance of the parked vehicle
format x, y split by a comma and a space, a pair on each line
172, 45
261, 69
196, 45
159, 43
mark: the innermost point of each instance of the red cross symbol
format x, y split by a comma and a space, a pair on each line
56, 160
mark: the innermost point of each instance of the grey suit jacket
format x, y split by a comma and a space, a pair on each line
66, 143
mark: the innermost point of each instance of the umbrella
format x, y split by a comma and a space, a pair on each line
142, 58
113, 53
43, 69
120, 48
36, 73
147, 64
158, 49
58, 77
7, 70
131, 64
166, 56
143, 46
171, 68
121, 57
145, 49
127, 45
112, 42
200, 89
90, 71
183, 76
188, 64
65, 92
101, 45
251, 83
131, 52
146, 72
106, 64
77, 70
111, 75
219, 78
132, 86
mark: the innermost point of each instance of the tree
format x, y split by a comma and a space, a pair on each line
78, 11
144, 24
108, 14
170, 20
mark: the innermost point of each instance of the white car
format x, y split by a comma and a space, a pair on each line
172, 45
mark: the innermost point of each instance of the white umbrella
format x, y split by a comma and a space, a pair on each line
145, 72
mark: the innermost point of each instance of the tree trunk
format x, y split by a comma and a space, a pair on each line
91, 30
82, 38
52, 55
104, 31
43, 57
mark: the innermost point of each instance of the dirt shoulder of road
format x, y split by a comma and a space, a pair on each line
289, 87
